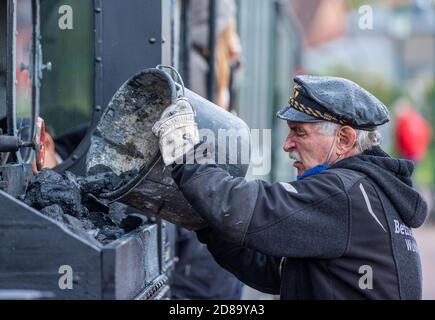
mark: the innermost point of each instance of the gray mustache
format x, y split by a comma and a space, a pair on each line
294, 155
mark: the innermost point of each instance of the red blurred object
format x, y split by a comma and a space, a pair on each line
38, 162
413, 134
300, 71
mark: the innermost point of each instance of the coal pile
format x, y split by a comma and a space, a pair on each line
73, 201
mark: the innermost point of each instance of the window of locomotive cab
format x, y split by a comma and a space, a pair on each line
67, 42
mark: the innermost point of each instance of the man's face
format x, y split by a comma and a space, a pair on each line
307, 145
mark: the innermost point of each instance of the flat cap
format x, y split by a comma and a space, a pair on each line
334, 99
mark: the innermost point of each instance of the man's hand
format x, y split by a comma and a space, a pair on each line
177, 131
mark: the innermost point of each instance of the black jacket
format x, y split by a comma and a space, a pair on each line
341, 234
197, 275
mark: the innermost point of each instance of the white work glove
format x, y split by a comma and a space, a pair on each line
177, 131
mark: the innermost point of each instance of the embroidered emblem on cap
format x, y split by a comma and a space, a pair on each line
296, 102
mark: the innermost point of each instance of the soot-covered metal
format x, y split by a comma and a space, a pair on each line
113, 252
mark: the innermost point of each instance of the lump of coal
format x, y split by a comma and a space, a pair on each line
95, 204
132, 222
111, 232
49, 187
128, 175
68, 199
69, 176
98, 219
81, 228
100, 183
87, 224
117, 212
120, 216
54, 212
48, 175
77, 227
99, 168
102, 179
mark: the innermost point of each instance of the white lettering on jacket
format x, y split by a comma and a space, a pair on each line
288, 187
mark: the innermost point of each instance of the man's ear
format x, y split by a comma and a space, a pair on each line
346, 139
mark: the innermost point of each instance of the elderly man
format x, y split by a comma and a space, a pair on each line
341, 231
